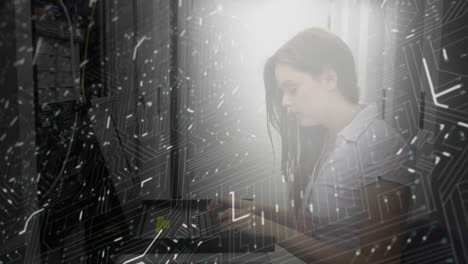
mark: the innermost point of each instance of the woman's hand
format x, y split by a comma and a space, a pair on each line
248, 223
218, 205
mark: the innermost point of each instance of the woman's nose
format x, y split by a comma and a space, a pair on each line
285, 101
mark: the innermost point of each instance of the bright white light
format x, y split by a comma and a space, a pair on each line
269, 24
261, 27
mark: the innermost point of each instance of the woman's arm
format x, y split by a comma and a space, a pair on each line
281, 216
382, 235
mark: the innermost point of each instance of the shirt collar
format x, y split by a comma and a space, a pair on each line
360, 123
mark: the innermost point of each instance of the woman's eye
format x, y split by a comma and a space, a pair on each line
292, 90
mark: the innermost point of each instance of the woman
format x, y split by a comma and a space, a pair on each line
349, 197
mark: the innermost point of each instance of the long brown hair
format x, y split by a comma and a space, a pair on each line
309, 51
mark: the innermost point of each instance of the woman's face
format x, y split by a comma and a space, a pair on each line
309, 99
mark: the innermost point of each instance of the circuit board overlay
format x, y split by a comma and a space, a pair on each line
160, 100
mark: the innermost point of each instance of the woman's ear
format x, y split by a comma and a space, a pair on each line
330, 78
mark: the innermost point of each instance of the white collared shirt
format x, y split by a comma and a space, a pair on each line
366, 150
